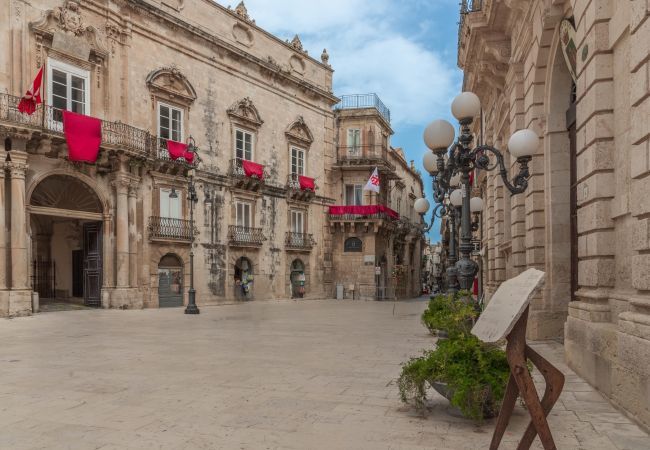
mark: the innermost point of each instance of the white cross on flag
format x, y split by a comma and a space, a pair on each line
373, 182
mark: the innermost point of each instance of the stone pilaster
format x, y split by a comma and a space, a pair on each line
121, 185
4, 294
133, 236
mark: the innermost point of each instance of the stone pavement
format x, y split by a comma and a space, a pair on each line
260, 375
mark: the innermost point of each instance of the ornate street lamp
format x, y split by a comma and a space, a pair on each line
193, 198
463, 159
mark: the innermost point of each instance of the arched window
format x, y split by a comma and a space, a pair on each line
353, 244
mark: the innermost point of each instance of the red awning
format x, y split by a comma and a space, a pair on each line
363, 210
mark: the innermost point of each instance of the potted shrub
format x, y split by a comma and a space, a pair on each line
448, 315
472, 375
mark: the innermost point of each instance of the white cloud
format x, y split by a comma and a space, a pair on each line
370, 51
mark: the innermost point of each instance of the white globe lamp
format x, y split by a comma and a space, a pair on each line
455, 180
466, 106
421, 206
476, 204
439, 135
523, 143
456, 198
430, 163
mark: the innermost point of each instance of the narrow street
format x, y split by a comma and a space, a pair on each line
260, 375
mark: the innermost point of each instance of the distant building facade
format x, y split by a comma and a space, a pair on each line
117, 233
576, 72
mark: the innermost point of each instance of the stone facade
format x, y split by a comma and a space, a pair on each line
117, 233
388, 262
583, 219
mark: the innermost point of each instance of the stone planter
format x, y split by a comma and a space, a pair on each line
444, 390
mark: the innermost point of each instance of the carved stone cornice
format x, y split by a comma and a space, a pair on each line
68, 22
245, 113
299, 133
171, 83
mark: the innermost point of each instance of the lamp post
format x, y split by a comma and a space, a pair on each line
462, 160
193, 198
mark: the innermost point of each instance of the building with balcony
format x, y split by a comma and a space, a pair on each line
116, 232
577, 74
376, 238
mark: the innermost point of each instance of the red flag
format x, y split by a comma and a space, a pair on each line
32, 97
306, 183
252, 169
83, 135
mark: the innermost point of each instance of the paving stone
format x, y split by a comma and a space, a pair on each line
281, 375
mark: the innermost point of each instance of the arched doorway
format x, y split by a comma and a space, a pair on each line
170, 281
297, 279
243, 278
67, 258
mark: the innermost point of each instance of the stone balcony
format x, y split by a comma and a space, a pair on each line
365, 157
247, 174
239, 236
166, 229
298, 187
370, 217
46, 123
301, 242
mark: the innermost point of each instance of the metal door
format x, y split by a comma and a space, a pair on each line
170, 287
92, 245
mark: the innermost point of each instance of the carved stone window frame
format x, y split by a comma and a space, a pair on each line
169, 86
244, 116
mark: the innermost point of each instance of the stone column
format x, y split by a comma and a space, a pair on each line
19, 273
3, 229
122, 232
133, 234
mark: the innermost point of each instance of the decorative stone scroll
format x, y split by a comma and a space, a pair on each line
506, 316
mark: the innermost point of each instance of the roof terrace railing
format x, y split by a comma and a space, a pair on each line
364, 101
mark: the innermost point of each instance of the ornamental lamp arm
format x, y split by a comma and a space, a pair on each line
519, 182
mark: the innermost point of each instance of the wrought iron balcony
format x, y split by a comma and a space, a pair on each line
168, 228
300, 190
359, 101
252, 177
299, 241
364, 157
245, 236
365, 214
162, 154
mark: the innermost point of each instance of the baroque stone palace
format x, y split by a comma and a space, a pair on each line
281, 209
577, 73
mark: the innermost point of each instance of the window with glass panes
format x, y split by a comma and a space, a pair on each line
297, 222
68, 89
244, 216
354, 141
353, 194
297, 161
243, 145
170, 122
170, 207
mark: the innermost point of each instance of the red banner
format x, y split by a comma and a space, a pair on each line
252, 169
306, 183
179, 150
363, 210
83, 135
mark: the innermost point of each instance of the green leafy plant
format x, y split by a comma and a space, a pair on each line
450, 313
475, 374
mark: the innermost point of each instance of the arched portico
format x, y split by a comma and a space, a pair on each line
67, 255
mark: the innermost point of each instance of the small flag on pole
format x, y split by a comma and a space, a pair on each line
373, 182
32, 97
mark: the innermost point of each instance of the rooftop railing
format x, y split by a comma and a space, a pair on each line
358, 101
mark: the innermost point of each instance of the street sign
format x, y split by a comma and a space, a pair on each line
377, 270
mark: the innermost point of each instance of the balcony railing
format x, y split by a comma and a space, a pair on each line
299, 241
237, 169
362, 213
359, 101
136, 141
245, 236
365, 155
163, 228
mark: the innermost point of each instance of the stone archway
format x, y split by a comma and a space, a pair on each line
243, 278
170, 281
297, 278
66, 218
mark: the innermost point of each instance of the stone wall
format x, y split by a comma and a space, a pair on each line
511, 52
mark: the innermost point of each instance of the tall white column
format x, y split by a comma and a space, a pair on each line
3, 228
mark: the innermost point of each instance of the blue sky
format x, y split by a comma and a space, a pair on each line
403, 50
